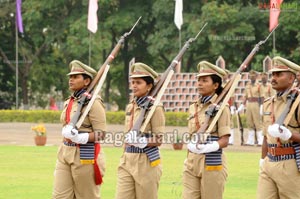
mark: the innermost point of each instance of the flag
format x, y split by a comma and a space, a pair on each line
19, 16
274, 13
178, 14
92, 16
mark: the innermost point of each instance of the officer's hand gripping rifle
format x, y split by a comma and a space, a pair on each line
215, 110
94, 89
159, 88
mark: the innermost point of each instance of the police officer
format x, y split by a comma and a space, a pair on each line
226, 79
140, 170
253, 94
80, 161
267, 89
297, 82
279, 167
205, 170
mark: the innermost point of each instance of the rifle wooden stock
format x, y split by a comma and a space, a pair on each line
95, 81
159, 88
217, 106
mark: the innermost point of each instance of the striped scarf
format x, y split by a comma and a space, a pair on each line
151, 152
297, 155
205, 99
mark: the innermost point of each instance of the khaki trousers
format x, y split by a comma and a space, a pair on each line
199, 183
279, 180
136, 178
73, 179
254, 120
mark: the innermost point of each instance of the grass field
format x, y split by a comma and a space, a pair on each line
27, 173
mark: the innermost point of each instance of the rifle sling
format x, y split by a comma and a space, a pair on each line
292, 110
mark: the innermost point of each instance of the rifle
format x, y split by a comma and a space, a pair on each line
215, 109
99, 80
159, 88
239, 123
290, 106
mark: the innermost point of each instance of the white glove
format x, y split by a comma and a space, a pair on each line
261, 111
142, 142
81, 138
130, 137
192, 147
71, 133
279, 131
203, 148
241, 108
232, 110
68, 131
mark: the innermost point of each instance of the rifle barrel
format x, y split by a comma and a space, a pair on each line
162, 81
213, 107
97, 78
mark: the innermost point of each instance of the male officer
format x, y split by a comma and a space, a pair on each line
253, 96
280, 164
267, 90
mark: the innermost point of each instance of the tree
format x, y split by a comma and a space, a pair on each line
58, 34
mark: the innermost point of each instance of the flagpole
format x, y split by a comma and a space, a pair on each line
274, 43
17, 64
179, 39
90, 47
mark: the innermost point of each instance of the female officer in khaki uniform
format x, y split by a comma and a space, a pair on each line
139, 170
280, 164
205, 171
80, 163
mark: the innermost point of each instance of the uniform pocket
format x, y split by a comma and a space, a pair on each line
188, 164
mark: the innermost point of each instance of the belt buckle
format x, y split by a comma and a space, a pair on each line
272, 151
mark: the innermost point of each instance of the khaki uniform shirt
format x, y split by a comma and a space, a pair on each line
267, 90
156, 124
278, 104
95, 119
221, 128
253, 90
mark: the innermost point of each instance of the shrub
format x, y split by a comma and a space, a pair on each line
48, 116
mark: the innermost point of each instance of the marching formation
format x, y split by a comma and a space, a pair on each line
273, 119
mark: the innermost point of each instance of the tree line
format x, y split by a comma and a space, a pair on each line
55, 33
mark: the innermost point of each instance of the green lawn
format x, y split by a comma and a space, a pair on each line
27, 173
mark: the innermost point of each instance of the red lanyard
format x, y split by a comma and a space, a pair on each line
68, 111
